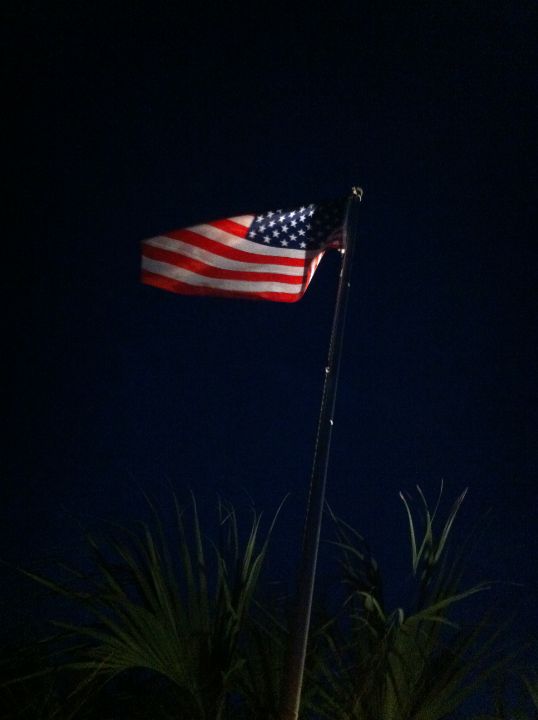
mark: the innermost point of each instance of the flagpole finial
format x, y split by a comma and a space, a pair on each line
357, 191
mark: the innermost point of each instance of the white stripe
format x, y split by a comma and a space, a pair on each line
186, 276
246, 245
245, 220
191, 251
314, 266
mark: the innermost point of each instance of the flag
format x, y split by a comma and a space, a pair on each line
270, 256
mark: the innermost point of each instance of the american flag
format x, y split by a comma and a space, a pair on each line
271, 256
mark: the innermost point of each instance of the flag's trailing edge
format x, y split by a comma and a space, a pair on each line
271, 256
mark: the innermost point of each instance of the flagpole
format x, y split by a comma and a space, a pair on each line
293, 671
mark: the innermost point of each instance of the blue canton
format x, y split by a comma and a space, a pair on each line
306, 228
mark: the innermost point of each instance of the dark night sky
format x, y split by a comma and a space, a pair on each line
141, 118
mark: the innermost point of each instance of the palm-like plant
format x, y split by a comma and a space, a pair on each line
414, 665
180, 626
181, 621
522, 707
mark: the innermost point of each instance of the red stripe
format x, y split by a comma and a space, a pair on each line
181, 288
231, 227
233, 253
201, 268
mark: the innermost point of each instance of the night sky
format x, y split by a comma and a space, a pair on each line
130, 121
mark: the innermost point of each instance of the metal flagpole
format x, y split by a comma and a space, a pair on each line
295, 660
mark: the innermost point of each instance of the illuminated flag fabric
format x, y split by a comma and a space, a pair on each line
271, 256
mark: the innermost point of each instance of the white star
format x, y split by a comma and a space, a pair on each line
266, 239
293, 223
308, 226
262, 228
293, 236
272, 223
285, 228
284, 243
302, 209
270, 214
275, 233
311, 212
291, 213
259, 218
282, 218
301, 232
302, 218
251, 233
302, 244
